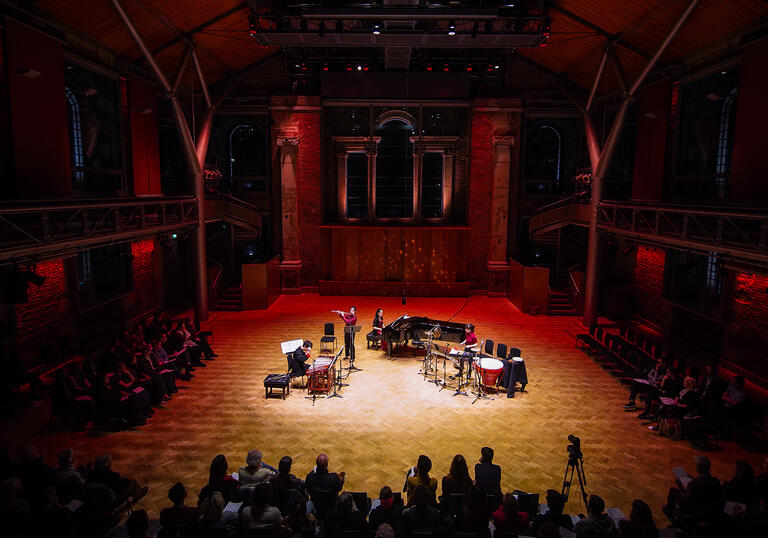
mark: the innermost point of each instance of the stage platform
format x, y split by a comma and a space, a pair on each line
389, 414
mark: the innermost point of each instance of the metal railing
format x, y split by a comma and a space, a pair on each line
741, 233
49, 226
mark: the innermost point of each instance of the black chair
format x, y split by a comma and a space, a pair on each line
362, 501
501, 351
328, 336
529, 502
293, 367
514, 352
488, 349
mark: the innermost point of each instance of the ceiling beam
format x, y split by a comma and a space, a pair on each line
197, 29
592, 26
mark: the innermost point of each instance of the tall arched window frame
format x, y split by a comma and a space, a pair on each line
75, 136
416, 192
724, 139
246, 143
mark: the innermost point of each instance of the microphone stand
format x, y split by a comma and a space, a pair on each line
337, 381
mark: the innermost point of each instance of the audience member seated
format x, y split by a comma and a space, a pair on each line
323, 486
253, 473
640, 523
387, 512
698, 501
548, 530
420, 477
597, 523
50, 518
554, 513
488, 474
685, 402
649, 389
283, 484
194, 335
742, 488
212, 513
219, 480
670, 386
475, 513
137, 524
344, 517
297, 519
68, 479
385, 531
14, 511
421, 516
124, 488
509, 518
457, 480
179, 515
259, 513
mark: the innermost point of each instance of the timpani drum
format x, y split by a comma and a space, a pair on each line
490, 370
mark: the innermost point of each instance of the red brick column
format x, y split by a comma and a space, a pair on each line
296, 153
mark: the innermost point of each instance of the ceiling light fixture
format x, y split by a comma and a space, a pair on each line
252, 29
376, 28
451, 28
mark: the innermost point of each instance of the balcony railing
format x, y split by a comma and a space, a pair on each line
38, 228
741, 233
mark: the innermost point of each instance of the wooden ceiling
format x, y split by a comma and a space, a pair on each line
580, 31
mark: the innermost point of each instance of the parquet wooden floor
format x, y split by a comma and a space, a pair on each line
389, 414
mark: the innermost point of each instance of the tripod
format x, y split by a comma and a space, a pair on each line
575, 463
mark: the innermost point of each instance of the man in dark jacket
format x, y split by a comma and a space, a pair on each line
597, 524
323, 487
488, 474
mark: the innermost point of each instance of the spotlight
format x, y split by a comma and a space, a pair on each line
446, 67
359, 67
252, 29
376, 28
429, 67
349, 67
451, 28
490, 68
321, 29
365, 67
325, 66
469, 67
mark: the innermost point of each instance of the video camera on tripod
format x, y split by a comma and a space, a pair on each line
575, 464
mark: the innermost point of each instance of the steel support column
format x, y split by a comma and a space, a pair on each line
193, 168
592, 278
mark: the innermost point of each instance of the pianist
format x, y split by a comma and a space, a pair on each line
300, 358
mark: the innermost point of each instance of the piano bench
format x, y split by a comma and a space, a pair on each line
373, 341
277, 381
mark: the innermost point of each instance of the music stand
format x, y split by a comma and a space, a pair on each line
351, 330
337, 382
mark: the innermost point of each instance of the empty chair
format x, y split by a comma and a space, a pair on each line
501, 351
328, 336
515, 352
488, 348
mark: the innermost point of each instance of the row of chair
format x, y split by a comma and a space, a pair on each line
619, 357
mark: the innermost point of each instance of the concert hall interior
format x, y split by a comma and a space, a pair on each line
371, 237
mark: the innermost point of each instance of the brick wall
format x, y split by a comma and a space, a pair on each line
48, 311
746, 328
145, 292
306, 125
480, 173
649, 278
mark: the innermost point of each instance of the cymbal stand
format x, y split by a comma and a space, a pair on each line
445, 373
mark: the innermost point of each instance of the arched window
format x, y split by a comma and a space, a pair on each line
394, 169
247, 167
724, 138
544, 153
75, 136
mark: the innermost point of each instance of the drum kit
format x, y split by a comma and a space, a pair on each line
481, 372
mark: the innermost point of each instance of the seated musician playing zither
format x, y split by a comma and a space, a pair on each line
300, 358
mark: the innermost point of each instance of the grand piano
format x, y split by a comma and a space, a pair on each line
405, 329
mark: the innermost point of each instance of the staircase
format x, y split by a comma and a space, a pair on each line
230, 299
560, 304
